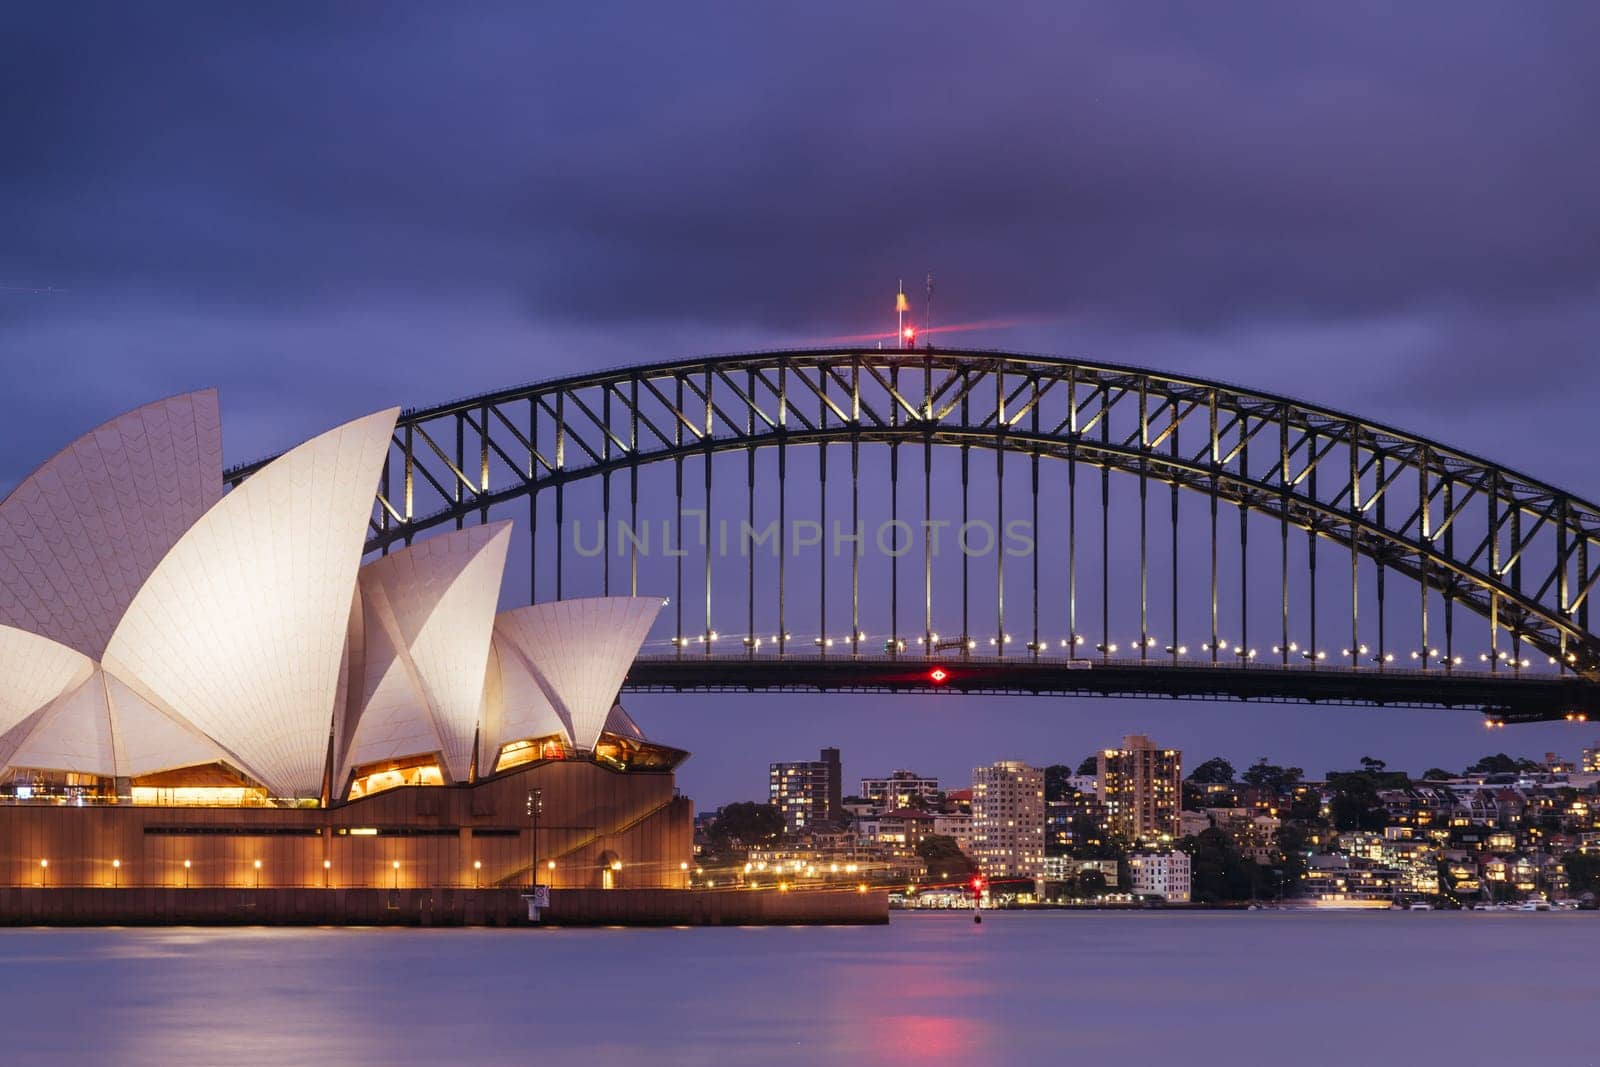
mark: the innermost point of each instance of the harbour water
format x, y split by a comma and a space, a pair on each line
1092, 987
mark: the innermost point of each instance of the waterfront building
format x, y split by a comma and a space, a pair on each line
209, 688
1066, 868
1008, 819
899, 790
1141, 787
1591, 760
1342, 881
1160, 874
808, 792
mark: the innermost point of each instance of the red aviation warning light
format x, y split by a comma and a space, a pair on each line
938, 675
904, 330
977, 883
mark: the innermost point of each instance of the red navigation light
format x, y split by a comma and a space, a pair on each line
909, 333
977, 883
938, 675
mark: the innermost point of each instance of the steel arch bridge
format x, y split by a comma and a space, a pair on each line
1399, 520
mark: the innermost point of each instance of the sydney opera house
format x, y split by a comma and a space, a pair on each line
209, 688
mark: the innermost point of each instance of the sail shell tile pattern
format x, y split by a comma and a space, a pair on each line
79, 536
103, 727
428, 617
578, 652
515, 705
240, 629
34, 671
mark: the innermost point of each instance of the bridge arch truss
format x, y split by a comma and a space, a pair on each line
1521, 555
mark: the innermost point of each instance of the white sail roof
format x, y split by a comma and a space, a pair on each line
240, 630
516, 708
103, 727
619, 722
428, 616
579, 651
79, 536
34, 671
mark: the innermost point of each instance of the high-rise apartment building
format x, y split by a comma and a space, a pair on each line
899, 790
809, 793
1008, 819
1142, 788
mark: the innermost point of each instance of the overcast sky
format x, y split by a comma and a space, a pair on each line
326, 209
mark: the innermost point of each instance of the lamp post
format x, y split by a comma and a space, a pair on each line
116, 874
395, 866
535, 807
327, 873
258, 874
44, 873
477, 874
186, 866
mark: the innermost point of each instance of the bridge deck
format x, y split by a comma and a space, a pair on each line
1503, 697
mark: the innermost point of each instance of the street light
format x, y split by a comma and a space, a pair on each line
116, 874
395, 866
258, 874
535, 807
327, 873
477, 874
186, 866
44, 872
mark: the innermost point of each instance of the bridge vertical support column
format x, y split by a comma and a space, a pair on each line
1072, 513
633, 489
894, 510
1283, 527
1034, 531
783, 501
1000, 511
750, 517
1144, 521
855, 503
533, 501
605, 494
927, 505
966, 464
1244, 540
1355, 548
561, 487
1216, 461
1172, 450
705, 528
1311, 548
822, 518
677, 515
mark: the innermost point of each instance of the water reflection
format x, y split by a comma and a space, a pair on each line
928, 989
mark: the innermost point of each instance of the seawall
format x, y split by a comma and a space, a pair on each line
152, 906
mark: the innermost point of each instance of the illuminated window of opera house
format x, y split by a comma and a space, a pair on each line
209, 785
391, 774
529, 750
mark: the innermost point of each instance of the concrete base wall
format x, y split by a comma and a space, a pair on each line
424, 837
432, 907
